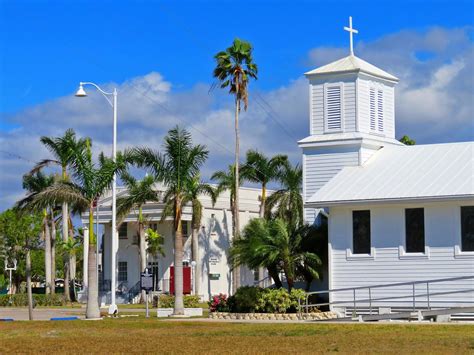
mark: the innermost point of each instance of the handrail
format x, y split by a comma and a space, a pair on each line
393, 284
370, 300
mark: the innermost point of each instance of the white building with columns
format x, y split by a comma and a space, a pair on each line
215, 236
397, 214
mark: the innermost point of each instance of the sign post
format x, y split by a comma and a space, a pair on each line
146, 284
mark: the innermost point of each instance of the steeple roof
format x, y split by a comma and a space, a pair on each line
351, 63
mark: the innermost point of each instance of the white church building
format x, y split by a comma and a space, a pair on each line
397, 214
214, 240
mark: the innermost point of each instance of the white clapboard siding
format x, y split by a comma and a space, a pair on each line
322, 164
390, 265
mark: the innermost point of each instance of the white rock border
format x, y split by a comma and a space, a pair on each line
274, 316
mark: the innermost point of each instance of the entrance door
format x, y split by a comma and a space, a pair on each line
186, 280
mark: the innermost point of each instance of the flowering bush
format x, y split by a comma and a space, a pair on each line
219, 303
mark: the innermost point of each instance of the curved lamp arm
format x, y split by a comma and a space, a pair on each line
104, 93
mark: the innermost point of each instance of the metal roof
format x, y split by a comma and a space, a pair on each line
352, 63
397, 173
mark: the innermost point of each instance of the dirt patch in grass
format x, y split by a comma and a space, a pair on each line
152, 335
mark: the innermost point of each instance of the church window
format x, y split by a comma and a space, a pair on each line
361, 232
376, 109
467, 228
415, 230
333, 107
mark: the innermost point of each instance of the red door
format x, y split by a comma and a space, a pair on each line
186, 280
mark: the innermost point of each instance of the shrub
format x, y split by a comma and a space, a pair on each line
245, 299
274, 301
219, 303
21, 300
167, 301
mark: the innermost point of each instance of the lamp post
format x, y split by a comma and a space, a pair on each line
81, 93
10, 269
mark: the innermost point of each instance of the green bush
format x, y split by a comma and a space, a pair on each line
250, 299
167, 301
21, 300
245, 299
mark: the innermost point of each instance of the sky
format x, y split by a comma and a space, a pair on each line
159, 55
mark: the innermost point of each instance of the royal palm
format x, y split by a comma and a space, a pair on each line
176, 168
234, 69
138, 194
90, 181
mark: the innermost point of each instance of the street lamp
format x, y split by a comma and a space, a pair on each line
113, 261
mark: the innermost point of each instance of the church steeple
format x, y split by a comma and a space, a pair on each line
352, 115
351, 95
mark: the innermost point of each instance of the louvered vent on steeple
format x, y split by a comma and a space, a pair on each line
333, 107
372, 109
380, 110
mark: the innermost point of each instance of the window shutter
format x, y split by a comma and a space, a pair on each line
333, 108
380, 110
372, 109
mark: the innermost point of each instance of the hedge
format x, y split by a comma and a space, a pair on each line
167, 301
21, 300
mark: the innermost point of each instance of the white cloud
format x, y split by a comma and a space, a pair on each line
434, 104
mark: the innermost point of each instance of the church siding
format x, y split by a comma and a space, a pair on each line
390, 265
320, 165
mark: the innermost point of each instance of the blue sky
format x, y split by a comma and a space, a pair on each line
160, 57
48, 46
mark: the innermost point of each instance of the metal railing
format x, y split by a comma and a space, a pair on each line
370, 300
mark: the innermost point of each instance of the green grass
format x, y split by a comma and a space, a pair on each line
152, 335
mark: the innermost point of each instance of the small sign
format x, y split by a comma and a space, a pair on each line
214, 276
146, 281
213, 260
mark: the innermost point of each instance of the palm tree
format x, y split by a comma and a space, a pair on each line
262, 170
68, 249
90, 181
226, 181
276, 245
176, 168
34, 184
287, 202
194, 190
234, 69
138, 194
63, 150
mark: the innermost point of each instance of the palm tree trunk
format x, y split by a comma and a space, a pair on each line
47, 253
178, 262
273, 272
236, 269
197, 270
141, 233
28, 283
53, 253
72, 260
92, 309
261, 270
66, 258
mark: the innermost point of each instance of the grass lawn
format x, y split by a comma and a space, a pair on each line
139, 335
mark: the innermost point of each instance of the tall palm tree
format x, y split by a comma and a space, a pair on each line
34, 184
194, 190
287, 202
63, 149
260, 169
226, 180
234, 69
138, 194
276, 243
176, 168
90, 180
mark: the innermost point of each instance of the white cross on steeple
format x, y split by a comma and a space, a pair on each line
351, 31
